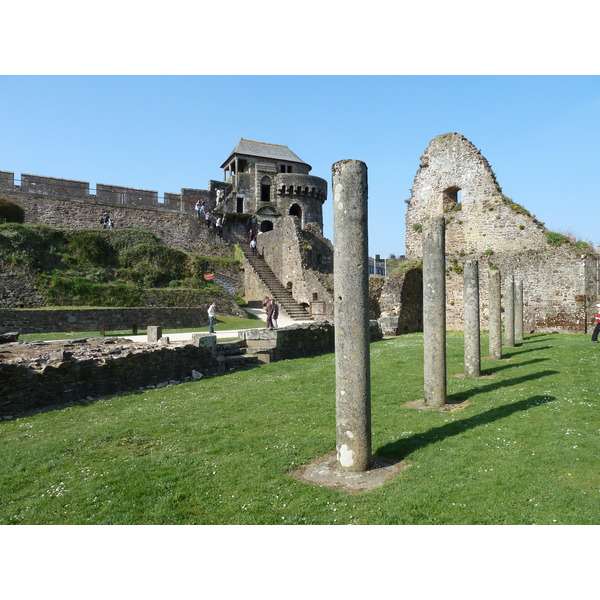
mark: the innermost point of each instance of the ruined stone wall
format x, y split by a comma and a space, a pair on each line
69, 372
553, 289
401, 303
456, 181
38, 375
483, 218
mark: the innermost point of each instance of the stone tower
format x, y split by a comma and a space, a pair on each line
264, 183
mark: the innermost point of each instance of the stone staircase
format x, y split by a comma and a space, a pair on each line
282, 296
234, 355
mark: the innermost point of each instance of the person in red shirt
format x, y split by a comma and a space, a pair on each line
597, 328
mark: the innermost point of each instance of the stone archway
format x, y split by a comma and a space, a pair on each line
296, 211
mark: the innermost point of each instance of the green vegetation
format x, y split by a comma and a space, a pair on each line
397, 267
11, 212
521, 210
556, 239
523, 451
104, 267
584, 247
417, 226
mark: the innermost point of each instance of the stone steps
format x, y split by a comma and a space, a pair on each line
277, 290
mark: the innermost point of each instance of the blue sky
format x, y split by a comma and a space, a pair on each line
539, 133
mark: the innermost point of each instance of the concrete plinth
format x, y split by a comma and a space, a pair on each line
325, 472
434, 311
471, 306
351, 305
495, 314
509, 312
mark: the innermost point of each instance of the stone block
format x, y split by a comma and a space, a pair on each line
154, 333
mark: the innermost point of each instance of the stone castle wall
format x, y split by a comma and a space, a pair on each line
177, 230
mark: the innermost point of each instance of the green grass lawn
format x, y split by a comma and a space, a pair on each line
223, 324
218, 451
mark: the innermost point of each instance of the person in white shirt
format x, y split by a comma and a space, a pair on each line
212, 309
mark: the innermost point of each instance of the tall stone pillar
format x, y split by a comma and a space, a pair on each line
518, 310
351, 305
509, 312
495, 314
434, 311
472, 333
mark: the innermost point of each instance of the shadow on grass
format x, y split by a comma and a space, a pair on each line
543, 337
512, 366
509, 354
484, 389
403, 448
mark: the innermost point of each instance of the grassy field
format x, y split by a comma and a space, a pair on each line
218, 451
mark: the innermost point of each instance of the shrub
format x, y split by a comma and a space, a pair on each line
91, 247
11, 212
556, 239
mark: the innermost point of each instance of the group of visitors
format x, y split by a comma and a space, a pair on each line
272, 309
106, 221
252, 241
208, 219
199, 208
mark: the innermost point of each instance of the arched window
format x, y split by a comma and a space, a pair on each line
266, 226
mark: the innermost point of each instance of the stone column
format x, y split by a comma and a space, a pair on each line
509, 312
351, 305
434, 311
495, 314
519, 310
471, 305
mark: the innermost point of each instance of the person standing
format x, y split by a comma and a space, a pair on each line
253, 246
268, 305
275, 313
597, 328
197, 209
212, 309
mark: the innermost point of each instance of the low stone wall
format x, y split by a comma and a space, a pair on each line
90, 319
36, 376
295, 341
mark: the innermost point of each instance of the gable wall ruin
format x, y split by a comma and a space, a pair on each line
454, 180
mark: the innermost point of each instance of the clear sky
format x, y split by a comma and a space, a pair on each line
539, 133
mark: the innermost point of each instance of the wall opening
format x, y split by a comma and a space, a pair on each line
265, 189
452, 199
266, 226
296, 211
240, 205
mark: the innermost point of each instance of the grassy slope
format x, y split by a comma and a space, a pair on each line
217, 451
